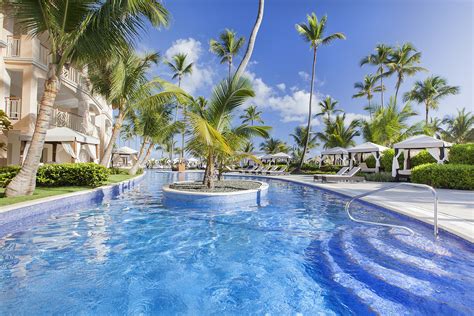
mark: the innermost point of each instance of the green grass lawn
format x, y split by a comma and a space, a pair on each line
42, 192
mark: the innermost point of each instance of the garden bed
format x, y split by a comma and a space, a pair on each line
220, 186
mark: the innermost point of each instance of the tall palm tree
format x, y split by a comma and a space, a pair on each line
314, 33
391, 124
299, 137
403, 62
367, 88
430, 92
328, 107
434, 127
180, 68
273, 145
251, 115
228, 47
460, 128
79, 32
380, 59
337, 134
212, 132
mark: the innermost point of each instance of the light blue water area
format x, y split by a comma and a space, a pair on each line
298, 254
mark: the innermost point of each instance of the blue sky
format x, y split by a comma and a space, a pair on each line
281, 62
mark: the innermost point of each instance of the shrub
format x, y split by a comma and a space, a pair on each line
449, 176
7, 174
370, 161
462, 154
386, 160
114, 170
379, 177
72, 174
423, 157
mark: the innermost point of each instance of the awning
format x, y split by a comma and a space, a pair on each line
65, 134
125, 151
281, 156
335, 151
420, 142
367, 147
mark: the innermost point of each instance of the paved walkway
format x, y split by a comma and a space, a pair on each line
455, 207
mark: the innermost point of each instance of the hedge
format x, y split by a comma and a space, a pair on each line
462, 154
379, 177
447, 176
423, 157
386, 160
67, 174
370, 161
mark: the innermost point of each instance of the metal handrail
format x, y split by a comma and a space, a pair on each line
435, 206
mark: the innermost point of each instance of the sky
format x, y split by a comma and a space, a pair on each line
280, 66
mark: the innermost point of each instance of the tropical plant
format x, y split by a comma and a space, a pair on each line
337, 134
251, 115
460, 128
430, 92
5, 124
314, 33
248, 147
403, 62
391, 124
273, 145
434, 127
228, 47
79, 32
212, 133
380, 59
367, 88
299, 137
328, 107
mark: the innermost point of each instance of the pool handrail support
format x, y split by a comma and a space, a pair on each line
435, 206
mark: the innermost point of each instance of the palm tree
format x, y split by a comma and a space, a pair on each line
272, 146
460, 128
391, 124
430, 92
403, 61
79, 32
328, 107
228, 47
434, 127
380, 59
213, 135
251, 115
313, 32
180, 68
337, 134
367, 88
299, 136
5, 125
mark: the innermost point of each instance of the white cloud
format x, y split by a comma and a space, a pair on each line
281, 86
304, 75
355, 116
202, 75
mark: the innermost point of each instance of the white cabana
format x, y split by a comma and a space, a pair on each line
413, 145
357, 152
278, 157
123, 156
338, 154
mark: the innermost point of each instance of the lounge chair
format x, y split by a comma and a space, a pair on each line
341, 172
264, 169
364, 168
257, 170
249, 170
272, 169
349, 176
281, 171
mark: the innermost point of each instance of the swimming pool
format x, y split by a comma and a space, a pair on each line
297, 254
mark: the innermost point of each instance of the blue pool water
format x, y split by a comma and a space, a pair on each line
298, 254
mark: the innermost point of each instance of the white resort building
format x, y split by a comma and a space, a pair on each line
81, 123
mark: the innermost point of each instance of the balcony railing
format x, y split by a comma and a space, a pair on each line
73, 75
66, 119
13, 107
13, 46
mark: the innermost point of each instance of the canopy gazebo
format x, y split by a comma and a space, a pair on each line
338, 154
411, 146
123, 156
275, 158
360, 152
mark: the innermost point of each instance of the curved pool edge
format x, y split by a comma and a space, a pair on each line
248, 197
20, 216
400, 212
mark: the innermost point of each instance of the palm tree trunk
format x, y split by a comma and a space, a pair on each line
105, 160
308, 131
209, 178
230, 69
427, 109
252, 38
24, 183
148, 152
381, 85
397, 87
139, 161
370, 108
183, 132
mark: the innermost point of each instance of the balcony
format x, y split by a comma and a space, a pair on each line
13, 107
66, 119
13, 46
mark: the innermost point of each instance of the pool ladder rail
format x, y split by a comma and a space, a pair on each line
435, 206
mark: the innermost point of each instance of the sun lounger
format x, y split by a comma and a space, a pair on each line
341, 172
349, 176
264, 170
250, 170
281, 171
364, 168
270, 170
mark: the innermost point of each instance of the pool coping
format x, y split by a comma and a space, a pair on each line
455, 233
20, 216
